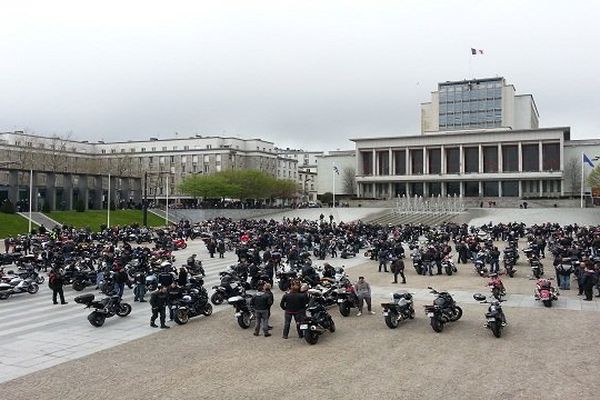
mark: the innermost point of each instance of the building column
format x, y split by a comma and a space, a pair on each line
407, 162
540, 157
520, 157
391, 193
358, 191
461, 188
84, 194
360, 169
443, 189
461, 163
480, 188
499, 188
374, 162
390, 164
443, 160
520, 188
34, 195
425, 189
500, 166
425, 164
480, 158
541, 187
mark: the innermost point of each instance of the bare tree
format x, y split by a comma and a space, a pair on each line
572, 175
349, 180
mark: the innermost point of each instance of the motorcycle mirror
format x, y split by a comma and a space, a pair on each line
479, 297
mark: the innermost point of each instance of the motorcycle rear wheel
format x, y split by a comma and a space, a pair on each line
391, 320
4, 295
437, 325
496, 328
311, 337
207, 310
244, 320
39, 280
449, 271
344, 309
78, 286
96, 319
217, 298
458, 313
331, 325
33, 288
124, 310
547, 303
181, 317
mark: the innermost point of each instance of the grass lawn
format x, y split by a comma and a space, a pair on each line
95, 218
12, 225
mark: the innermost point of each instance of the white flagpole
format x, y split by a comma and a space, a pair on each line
167, 204
582, 171
108, 204
333, 172
30, 198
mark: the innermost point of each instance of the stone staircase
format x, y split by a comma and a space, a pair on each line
395, 217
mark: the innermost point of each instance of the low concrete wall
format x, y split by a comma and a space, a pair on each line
196, 215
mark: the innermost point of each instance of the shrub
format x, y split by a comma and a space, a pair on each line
7, 207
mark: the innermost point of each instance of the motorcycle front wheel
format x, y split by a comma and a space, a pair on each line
547, 303
96, 319
33, 288
217, 298
344, 309
449, 271
391, 320
437, 325
181, 317
496, 328
4, 295
311, 337
244, 320
207, 310
78, 286
39, 280
331, 325
124, 310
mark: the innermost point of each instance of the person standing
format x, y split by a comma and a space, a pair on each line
183, 277
221, 248
158, 301
589, 280
495, 260
139, 290
294, 304
261, 302
56, 281
363, 291
174, 293
398, 269
383, 259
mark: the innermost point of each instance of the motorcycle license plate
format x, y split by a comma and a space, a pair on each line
491, 319
430, 314
340, 300
303, 326
385, 313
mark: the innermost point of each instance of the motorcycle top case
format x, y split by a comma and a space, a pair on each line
84, 298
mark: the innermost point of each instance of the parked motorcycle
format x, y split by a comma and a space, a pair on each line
243, 311
105, 308
230, 286
319, 320
496, 287
190, 305
537, 268
495, 319
13, 284
479, 264
285, 279
448, 266
443, 310
346, 299
399, 309
545, 292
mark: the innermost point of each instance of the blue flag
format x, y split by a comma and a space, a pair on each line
587, 160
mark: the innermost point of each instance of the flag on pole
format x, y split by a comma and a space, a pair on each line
587, 161
476, 51
336, 170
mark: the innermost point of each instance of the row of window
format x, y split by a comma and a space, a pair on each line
491, 157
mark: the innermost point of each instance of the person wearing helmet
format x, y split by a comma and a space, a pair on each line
158, 301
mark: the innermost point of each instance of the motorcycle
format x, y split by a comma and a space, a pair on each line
105, 308
190, 305
319, 320
399, 309
179, 244
448, 266
14, 285
230, 286
83, 279
496, 287
545, 292
346, 299
417, 262
479, 264
443, 310
243, 311
495, 319
537, 268
285, 278
509, 265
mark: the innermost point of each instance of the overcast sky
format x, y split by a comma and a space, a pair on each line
307, 74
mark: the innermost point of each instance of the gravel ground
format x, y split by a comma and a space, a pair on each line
543, 354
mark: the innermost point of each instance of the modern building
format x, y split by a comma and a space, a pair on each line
345, 178
478, 104
478, 139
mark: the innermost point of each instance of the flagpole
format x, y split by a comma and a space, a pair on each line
582, 171
333, 174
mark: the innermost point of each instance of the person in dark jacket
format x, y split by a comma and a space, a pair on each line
294, 303
140, 287
174, 293
398, 269
121, 279
158, 301
589, 280
183, 276
56, 281
221, 248
261, 302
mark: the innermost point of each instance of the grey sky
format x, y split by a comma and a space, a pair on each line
304, 74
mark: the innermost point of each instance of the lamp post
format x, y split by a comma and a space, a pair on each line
145, 201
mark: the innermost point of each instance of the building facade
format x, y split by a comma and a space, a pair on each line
307, 160
345, 180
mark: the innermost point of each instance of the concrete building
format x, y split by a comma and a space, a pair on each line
345, 181
307, 186
307, 160
477, 104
